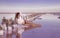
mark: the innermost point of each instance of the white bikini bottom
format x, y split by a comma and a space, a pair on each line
1, 32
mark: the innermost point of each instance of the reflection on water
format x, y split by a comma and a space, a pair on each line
50, 27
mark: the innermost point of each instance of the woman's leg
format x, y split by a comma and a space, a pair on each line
1, 36
8, 35
18, 35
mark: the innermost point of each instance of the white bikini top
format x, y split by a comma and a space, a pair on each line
20, 20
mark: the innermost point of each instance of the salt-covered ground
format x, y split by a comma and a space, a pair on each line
50, 28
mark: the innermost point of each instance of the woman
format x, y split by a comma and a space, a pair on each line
22, 25
19, 25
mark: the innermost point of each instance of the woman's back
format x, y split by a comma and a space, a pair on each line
20, 20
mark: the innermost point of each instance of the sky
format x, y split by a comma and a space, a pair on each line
30, 5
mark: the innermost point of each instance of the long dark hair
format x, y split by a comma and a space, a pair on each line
16, 16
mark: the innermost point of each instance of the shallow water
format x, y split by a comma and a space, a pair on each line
50, 28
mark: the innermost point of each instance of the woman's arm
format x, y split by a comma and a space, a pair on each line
15, 21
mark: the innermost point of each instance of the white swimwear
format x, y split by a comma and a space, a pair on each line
20, 27
1, 32
20, 20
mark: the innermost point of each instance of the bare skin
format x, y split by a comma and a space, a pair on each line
18, 35
8, 35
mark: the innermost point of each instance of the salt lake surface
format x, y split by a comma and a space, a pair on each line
50, 27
